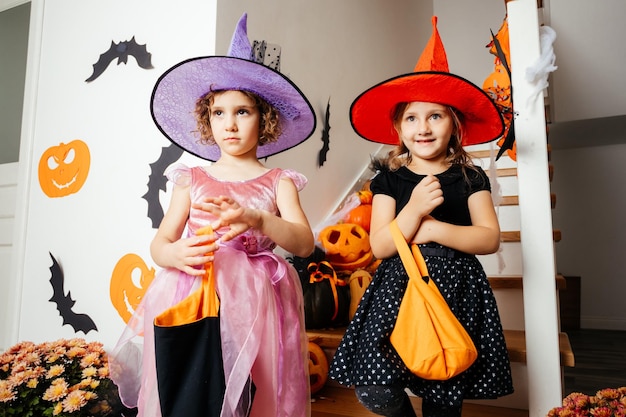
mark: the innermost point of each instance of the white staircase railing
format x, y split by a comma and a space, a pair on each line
540, 297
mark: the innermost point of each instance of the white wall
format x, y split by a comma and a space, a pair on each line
89, 231
590, 56
591, 202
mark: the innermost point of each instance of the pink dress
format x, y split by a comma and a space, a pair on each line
261, 310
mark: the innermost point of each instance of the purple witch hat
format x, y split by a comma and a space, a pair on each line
175, 94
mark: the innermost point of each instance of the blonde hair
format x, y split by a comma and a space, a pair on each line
269, 126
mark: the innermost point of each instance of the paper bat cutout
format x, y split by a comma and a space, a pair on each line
80, 322
121, 51
157, 181
509, 140
325, 137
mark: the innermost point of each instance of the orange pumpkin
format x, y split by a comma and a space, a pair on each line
365, 196
63, 169
318, 367
360, 215
126, 289
347, 246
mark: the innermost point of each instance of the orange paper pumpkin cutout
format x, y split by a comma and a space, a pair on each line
63, 168
127, 289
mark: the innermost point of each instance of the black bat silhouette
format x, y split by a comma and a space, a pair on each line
64, 303
121, 51
509, 140
157, 181
325, 137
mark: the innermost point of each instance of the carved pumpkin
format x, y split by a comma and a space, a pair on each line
129, 281
318, 367
360, 215
358, 283
347, 246
63, 169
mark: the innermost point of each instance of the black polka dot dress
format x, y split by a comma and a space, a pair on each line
365, 355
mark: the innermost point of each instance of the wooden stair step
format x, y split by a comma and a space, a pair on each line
512, 172
515, 236
517, 282
515, 343
513, 200
487, 153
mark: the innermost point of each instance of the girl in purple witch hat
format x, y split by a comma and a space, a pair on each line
232, 111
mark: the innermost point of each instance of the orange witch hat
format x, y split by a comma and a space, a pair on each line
430, 81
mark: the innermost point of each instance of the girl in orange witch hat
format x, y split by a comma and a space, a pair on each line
442, 202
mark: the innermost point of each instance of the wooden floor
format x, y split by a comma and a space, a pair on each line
600, 363
341, 402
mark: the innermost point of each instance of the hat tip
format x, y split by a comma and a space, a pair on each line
240, 46
433, 56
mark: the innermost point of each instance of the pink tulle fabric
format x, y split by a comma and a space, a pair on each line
261, 312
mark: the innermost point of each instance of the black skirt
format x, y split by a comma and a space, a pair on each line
365, 355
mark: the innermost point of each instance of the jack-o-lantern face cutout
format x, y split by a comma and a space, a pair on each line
347, 246
63, 169
318, 367
129, 281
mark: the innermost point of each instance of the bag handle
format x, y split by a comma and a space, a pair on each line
210, 301
412, 259
415, 266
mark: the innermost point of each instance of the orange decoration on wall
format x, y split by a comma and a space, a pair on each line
63, 168
498, 86
126, 288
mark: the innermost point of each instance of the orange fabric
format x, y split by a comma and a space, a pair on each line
428, 337
201, 303
433, 56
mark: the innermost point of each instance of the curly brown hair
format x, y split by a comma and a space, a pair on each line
269, 126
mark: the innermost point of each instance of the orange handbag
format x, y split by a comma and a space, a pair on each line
430, 340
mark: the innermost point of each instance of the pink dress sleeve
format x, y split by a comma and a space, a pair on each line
179, 174
298, 179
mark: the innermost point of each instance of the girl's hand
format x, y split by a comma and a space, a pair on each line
191, 254
426, 196
230, 214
